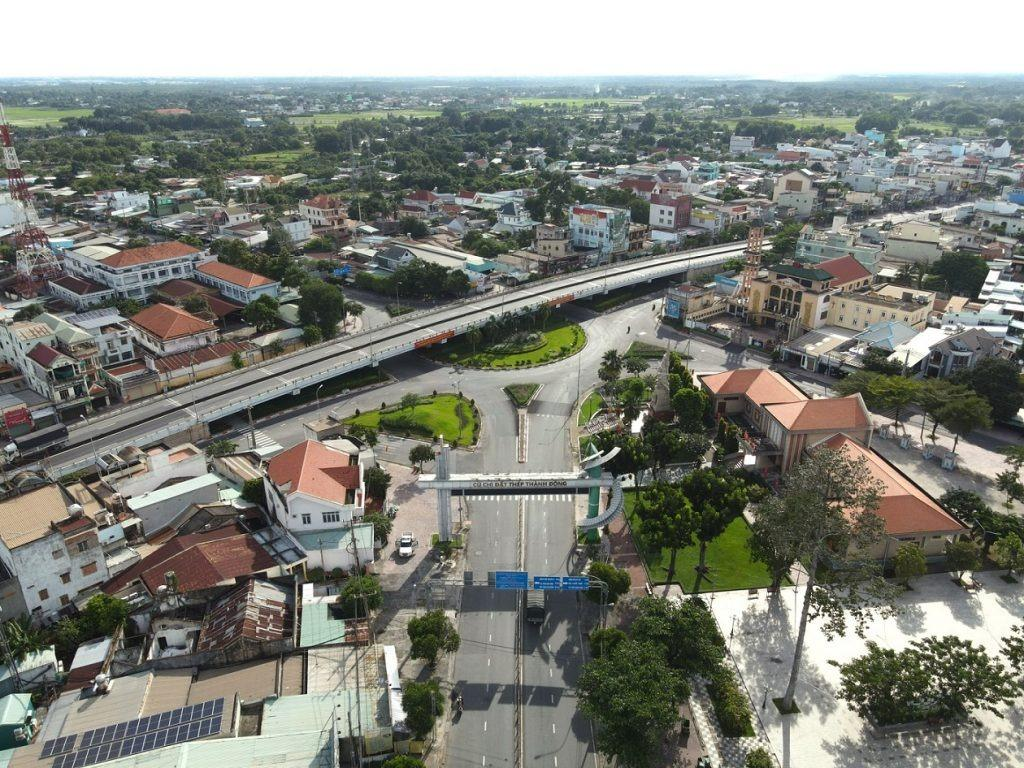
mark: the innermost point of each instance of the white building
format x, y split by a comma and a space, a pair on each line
917, 241
324, 211
136, 272
167, 330
111, 332
316, 492
600, 228
50, 553
741, 145
298, 228
795, 190
237, 284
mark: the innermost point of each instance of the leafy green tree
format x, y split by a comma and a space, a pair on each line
964, 677
663, 442
885, 685
22, 637
196, 304
409, 402
311, 335
964, 415
759, 757
413, 227
237, 362
962, 556
377, 481
1008, 552
29, 312
633, 696
420, 455
322, 305
689, 406
896, 393
962, 271
252, 491
432, 634
634, 364
933, 395
221, 448
616, 580
474, 336
667, 519
403, 761
604, 640
366, 434
686, 631
1009, 481
423, 704
262, 313
908, 563
382, 525
102, 615
360, 596
826, 514
998, 380
784, 241
717, 498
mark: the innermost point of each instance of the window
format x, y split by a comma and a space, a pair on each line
44, 594
83, 546
307, 519
65, 577
64, 600
332, 517
57, 554
89, 569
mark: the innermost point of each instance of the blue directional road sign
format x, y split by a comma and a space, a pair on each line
547, 582
511, 580
576, 583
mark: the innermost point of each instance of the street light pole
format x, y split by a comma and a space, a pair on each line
316, 394
92, 443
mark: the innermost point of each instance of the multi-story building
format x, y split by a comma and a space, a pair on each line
111, 333
553, 248
167, 330
693, 303
600, 228
316, 492
324, 211
857, 310
236, 284
814, 246
670, 213
741, 145
79, 292
917, 241
795, 190
298, 228
135, 273
50, 552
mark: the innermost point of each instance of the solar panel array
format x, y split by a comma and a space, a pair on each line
143, 734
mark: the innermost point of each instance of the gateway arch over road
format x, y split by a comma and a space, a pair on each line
163, 416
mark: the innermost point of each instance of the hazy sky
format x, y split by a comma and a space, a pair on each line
798, 39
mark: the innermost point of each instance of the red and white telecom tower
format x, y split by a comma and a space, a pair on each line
36, 262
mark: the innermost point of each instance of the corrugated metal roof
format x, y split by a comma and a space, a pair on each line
306, 749
183, 488
168, 690
253, 681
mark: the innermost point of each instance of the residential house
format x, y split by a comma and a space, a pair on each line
50, 553
600, 229
135, 273
79, 292
858, 310
298, 228
670, 213
554, 245
512, 219
423, 199
916, 241
692, 303
741, 145
813, 247
316, 492
237, 284
324, 211
166, 330
795, 190
943, 352
110, 332
255, 613
400, 252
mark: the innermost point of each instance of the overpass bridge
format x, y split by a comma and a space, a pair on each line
159, 417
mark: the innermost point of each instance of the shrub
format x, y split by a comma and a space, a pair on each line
731, 706
759, 758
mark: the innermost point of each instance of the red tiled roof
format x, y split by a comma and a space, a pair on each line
760, 385
313, 468
44, 354
845, 269
640, 185
199, 560
179, 289
422, 194
837, 413
218, 351
323, 203
222, 307
229, 274
78, 286
166, 322
905, 508
157, 252
123, 370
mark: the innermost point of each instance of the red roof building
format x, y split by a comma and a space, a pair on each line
165, 330
150, 254
847, 273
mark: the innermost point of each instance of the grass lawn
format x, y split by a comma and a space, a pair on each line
728, 558
645, 350
353, 380
432, 417
612, 299
562, 339
37, 117
591, 405
521, 393
277, 161
335, 118
839, 122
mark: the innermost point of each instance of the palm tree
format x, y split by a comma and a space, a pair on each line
635, 364
474, 336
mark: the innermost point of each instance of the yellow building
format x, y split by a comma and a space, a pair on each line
858, 310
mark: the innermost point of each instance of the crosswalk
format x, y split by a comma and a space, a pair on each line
525, 496
264, 443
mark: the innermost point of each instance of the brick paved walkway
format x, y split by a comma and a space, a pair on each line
624, 555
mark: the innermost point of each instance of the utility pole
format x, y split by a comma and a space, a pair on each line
11, 663
252, 429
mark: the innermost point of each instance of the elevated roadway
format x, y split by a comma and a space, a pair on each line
159, 417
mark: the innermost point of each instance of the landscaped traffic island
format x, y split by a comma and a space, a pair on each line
428, 416
518, 341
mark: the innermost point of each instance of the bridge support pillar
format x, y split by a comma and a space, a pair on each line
594, 502
444, 496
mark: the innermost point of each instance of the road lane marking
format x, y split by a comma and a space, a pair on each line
489, 638
550, 671
488, 662
556, 761
552, 727
552, 701
485, 726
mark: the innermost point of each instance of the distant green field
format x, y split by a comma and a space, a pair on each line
840, 123
283, 160
575, 103
37, 117
335, 118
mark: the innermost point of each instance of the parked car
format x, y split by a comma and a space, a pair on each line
406, 544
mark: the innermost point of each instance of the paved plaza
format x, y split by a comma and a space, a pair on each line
826, 732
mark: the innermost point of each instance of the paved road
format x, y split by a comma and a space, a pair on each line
156, 418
